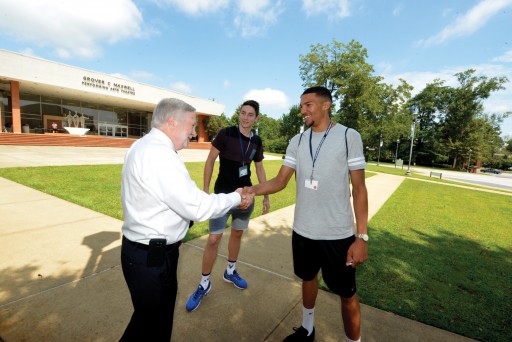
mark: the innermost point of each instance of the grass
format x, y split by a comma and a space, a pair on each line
442, 256
401, 172
439, 255
98, 187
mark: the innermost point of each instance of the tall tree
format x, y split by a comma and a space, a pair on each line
450, 113
214, 124
290, 123
268, 128
342, 68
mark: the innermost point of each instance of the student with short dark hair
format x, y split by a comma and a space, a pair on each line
237, 147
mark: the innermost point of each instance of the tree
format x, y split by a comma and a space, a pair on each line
268, 128
342, 68
454, 117
214, 124
509, 146
291, 123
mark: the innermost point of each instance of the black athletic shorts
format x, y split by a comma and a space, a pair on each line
309, 256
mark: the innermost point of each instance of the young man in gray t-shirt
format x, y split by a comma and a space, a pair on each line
322, 159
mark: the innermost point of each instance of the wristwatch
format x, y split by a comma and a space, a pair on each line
362, 236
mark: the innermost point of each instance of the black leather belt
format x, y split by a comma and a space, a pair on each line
146, 247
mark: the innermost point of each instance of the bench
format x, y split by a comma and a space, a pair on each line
436, 174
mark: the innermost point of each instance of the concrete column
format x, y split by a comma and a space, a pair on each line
15, 103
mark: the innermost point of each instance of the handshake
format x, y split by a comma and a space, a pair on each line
247, 193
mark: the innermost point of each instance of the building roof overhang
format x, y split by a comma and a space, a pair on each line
47, 78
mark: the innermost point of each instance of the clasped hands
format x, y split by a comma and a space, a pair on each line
247, 195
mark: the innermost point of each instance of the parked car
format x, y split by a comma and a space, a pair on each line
495, 171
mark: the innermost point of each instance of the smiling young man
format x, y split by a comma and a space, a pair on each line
323, 159
236, 147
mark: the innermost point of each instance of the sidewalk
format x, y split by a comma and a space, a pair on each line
61, 280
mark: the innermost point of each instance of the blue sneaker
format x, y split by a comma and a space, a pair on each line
235, 279
195, 299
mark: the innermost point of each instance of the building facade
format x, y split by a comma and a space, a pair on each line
39, 96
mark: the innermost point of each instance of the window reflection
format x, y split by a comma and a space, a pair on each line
100, 119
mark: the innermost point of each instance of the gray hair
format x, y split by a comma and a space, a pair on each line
167, 108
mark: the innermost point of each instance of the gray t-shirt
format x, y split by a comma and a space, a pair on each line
325, 213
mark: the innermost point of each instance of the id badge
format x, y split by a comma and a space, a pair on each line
311, 184
243, 171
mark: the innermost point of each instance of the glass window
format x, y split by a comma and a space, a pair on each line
108, 115
138, 123
4, 101
51, 106
121, 115
30, 104
145, 123
90, 111
70, 107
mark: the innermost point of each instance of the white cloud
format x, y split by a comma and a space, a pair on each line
397, 11
333, 8
28, 52
71, 28
253, 18
226, 84
272, 102
468, 23
195, 7
142, 76
119, 75
181, 87
506, 57
250, 17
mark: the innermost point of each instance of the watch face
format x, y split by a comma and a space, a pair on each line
363, 236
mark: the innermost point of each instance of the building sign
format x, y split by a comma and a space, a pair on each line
113, 87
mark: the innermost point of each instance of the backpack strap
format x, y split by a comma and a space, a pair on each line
346, 144
348, 170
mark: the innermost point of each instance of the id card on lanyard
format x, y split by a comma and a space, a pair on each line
244, 169
312, 183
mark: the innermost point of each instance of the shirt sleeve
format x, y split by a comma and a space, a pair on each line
290, 158
220, 138
172, 184
355, 157
259, 150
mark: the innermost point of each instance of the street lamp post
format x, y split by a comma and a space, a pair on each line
380, 145
469, 160
413, 127
396, 153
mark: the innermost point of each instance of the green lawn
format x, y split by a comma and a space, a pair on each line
442, 255
438, 254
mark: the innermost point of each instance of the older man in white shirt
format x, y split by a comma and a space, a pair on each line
159, 202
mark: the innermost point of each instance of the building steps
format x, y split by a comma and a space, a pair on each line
64, 139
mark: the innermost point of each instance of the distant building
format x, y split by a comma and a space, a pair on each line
35, 93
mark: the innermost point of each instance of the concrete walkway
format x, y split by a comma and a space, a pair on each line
61, 280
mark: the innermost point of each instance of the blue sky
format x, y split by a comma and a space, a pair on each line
231, 50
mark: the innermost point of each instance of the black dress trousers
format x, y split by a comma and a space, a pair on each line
153, 292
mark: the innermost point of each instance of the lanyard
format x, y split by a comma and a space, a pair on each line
241, 146
318, 148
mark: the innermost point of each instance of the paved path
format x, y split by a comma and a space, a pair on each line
61, 280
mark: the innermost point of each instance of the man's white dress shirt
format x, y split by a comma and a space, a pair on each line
159, 198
